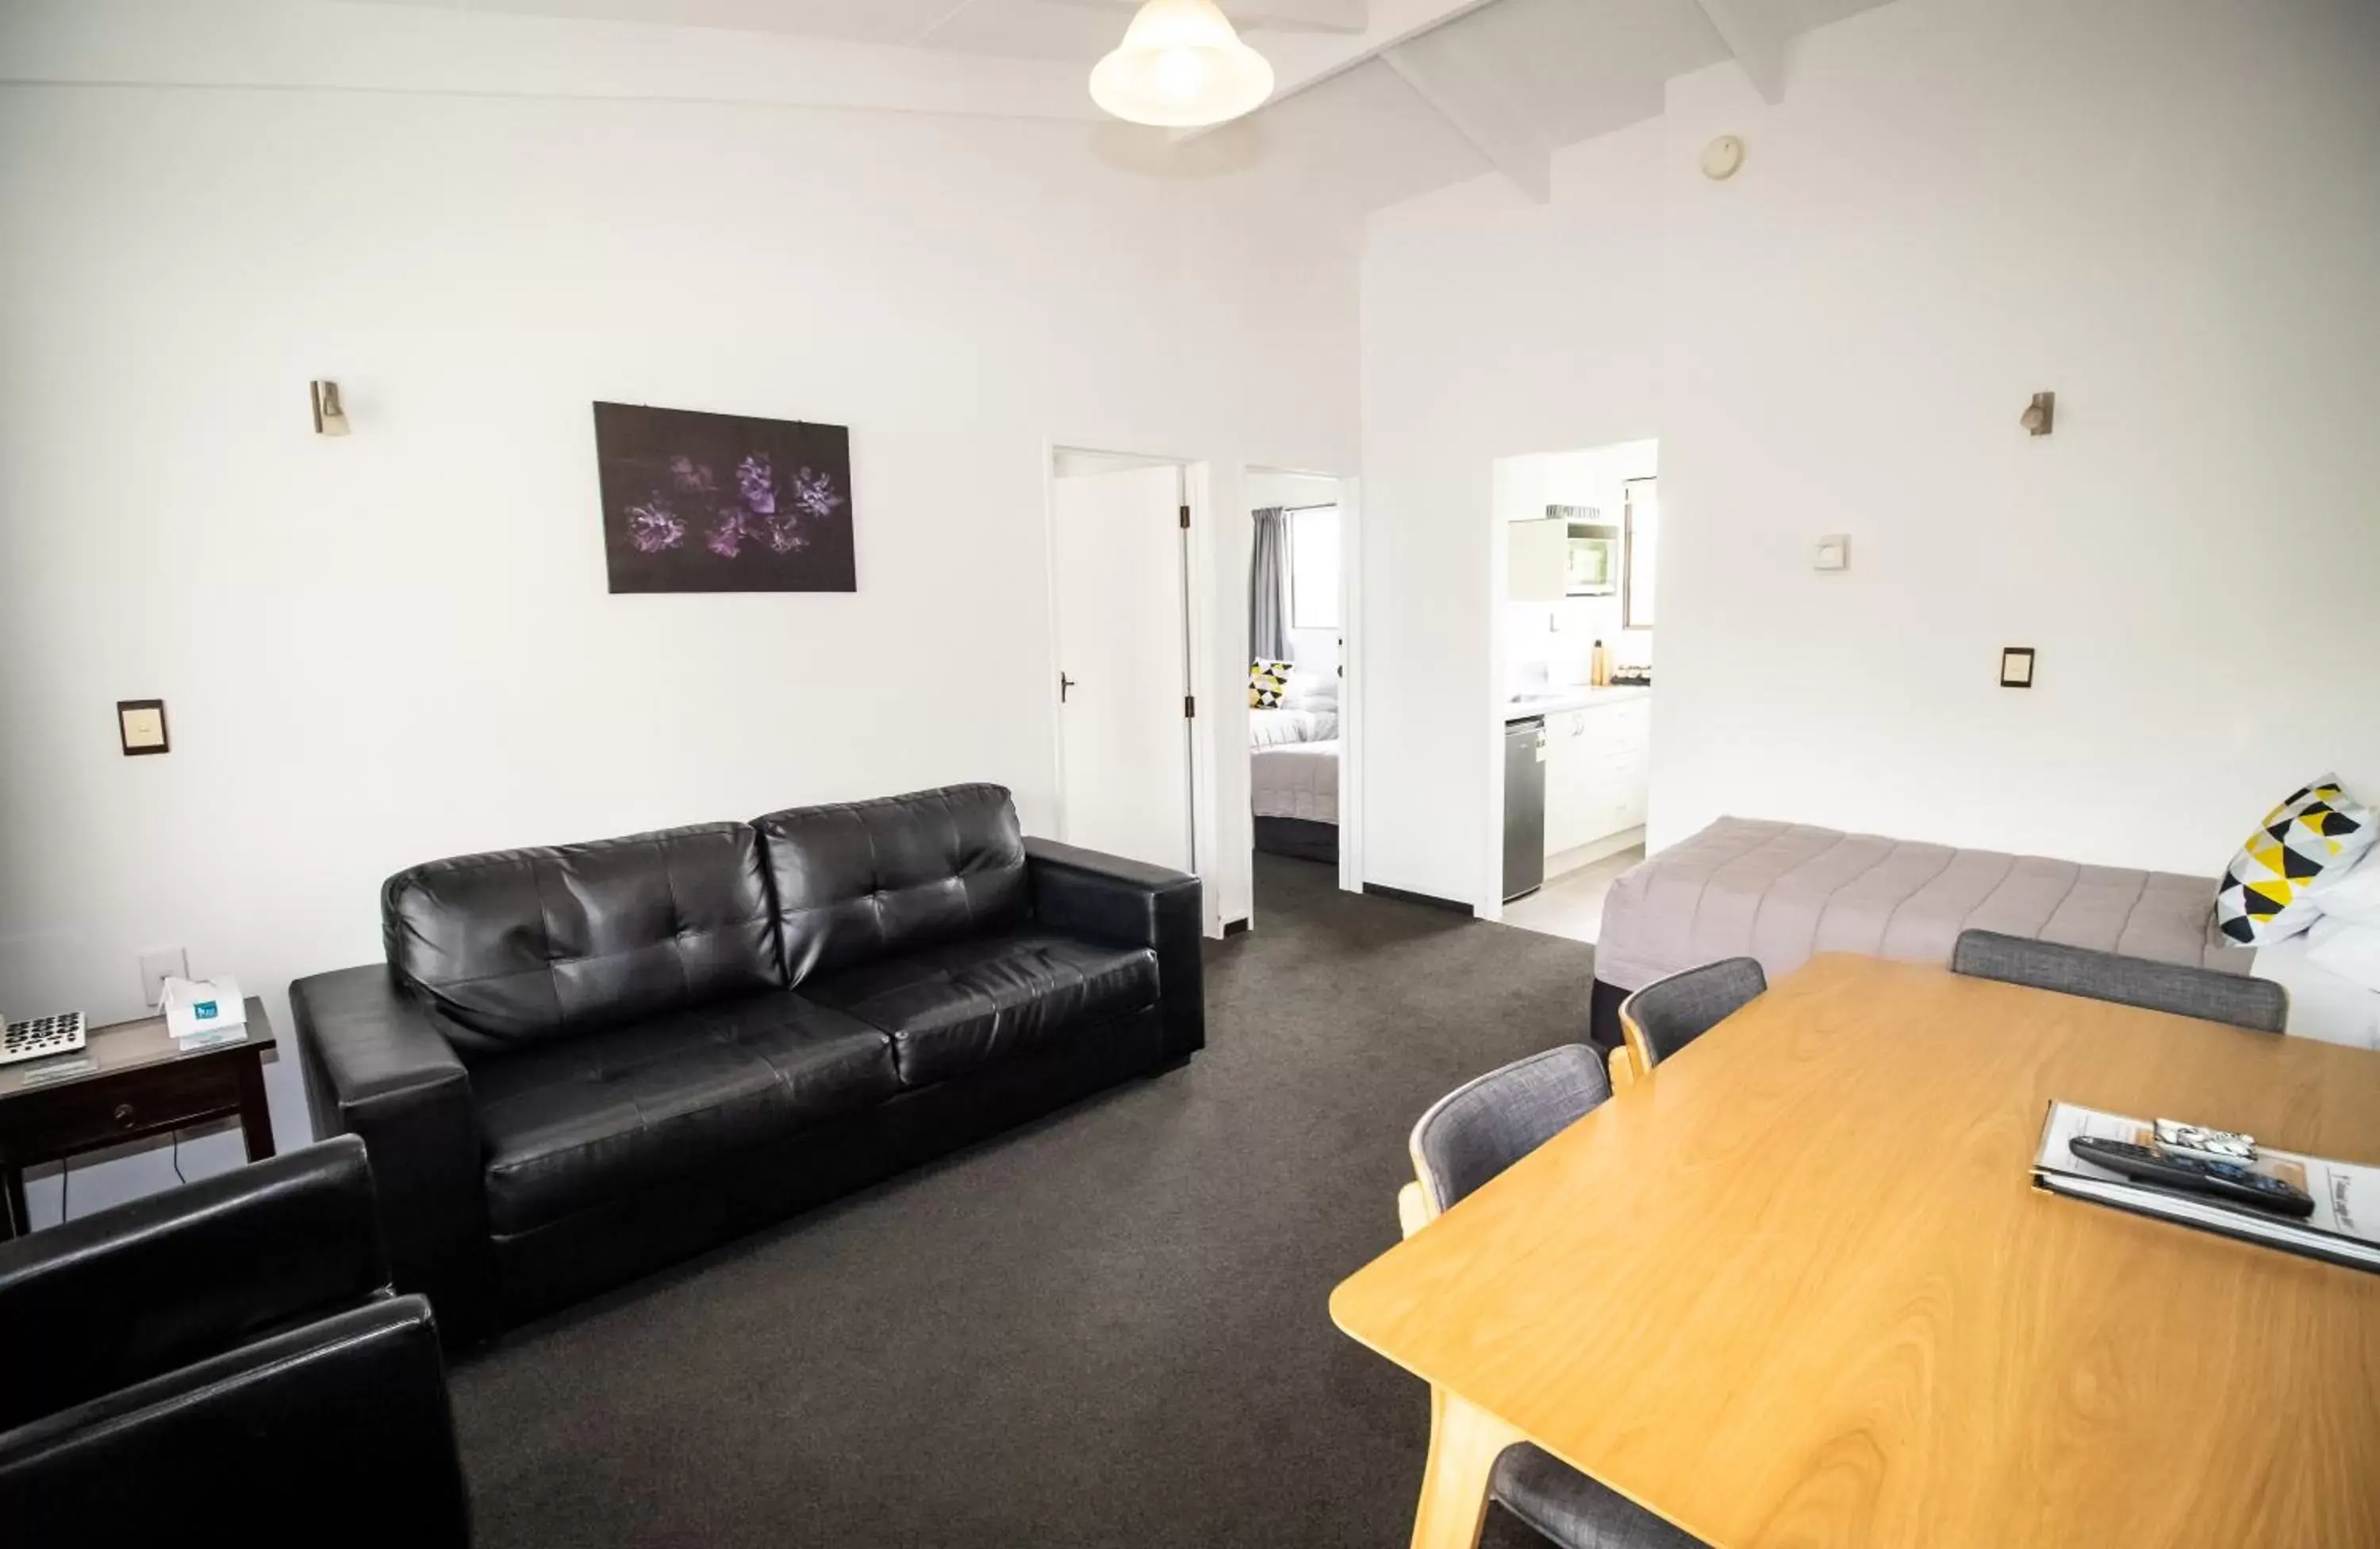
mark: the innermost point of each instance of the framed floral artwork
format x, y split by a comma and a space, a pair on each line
695, 502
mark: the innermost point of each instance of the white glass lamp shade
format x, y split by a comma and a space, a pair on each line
1180, 65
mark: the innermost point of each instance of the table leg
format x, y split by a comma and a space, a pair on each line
255, 1115
1464, 1442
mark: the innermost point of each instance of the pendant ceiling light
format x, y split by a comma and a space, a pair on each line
1180, 65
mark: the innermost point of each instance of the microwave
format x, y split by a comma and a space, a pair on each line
1591, 555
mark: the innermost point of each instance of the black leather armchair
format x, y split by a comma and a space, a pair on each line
582, 1062
224, 1355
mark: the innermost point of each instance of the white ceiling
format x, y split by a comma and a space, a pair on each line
1017, 29
1388, 97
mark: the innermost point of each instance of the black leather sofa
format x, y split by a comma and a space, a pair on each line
579, 1063
224, 1361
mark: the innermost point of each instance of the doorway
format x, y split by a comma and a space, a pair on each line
1304, 722
1120, 578
1577, 540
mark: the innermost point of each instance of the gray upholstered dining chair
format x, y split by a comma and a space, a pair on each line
1665, 1017
2257, 1004
1467, 1138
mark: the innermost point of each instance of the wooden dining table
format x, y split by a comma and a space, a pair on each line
1795, 1287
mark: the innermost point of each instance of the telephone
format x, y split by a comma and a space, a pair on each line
39, 1037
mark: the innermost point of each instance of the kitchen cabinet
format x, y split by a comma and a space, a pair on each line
1596, 759
1536, 556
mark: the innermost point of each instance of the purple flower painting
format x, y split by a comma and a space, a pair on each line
695, 502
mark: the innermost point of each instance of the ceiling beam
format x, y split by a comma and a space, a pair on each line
1314, 16
956, 10
1480, 111
1393, 22
1351, 17
1757, 38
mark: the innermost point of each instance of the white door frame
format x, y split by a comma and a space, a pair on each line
1198, 598
1489, 904
1350, 685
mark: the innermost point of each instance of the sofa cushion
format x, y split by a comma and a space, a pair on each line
953, 1008
524, 945
866, 880
589, 1119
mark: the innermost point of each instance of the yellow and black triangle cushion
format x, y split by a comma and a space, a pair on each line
2266, 892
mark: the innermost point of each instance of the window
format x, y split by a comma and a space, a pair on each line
1643, 524
1314, 568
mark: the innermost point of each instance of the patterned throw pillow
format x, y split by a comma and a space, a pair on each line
2314, 835
1268, 681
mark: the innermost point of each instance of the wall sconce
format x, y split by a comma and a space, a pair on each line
2041, 415
330, 416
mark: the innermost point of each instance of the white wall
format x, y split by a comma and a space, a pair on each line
395, 646
2164, 210
1491, 328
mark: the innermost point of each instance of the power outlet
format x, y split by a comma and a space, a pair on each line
169, 962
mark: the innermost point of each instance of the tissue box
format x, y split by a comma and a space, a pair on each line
206, 1010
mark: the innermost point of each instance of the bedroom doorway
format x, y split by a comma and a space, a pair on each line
1120, 590
1303, 715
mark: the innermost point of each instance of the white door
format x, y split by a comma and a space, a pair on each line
1123, 664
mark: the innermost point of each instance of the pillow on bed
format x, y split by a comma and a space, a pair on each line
2355, 898
2312, 838
1268, 681
2350, 951
1312, 690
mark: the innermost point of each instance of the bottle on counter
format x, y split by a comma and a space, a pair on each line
1599, 667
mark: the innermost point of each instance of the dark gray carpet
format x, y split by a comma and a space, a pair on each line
1109, 1328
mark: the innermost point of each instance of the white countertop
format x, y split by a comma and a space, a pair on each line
1554, 702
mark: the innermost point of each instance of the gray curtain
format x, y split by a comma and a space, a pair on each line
1269, 588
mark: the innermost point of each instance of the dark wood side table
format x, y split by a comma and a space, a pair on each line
138, 1082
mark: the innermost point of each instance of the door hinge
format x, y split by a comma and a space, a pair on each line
1186, 519
1189, 707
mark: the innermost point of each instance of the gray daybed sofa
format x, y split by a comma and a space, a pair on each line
1785, 892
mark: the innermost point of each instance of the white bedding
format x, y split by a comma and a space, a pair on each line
1275, 728
2322, 1003
1296, 780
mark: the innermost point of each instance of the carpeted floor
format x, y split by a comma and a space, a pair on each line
1106, 1329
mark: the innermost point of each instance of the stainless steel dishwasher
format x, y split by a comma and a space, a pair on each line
1525, 806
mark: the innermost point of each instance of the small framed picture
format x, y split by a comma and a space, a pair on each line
2016, 667
142, 722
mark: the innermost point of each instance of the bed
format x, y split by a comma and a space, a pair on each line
1783, 893
1294, 780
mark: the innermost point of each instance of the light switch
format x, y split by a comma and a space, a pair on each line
1832, 552
2016, 667
142, 725
157, 967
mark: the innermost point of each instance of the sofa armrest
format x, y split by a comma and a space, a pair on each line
348, 1416
131, 1292
1108, 899
376, 1066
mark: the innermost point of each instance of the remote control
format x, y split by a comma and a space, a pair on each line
2225, 1180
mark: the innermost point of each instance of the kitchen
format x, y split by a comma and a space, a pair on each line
1575, 661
